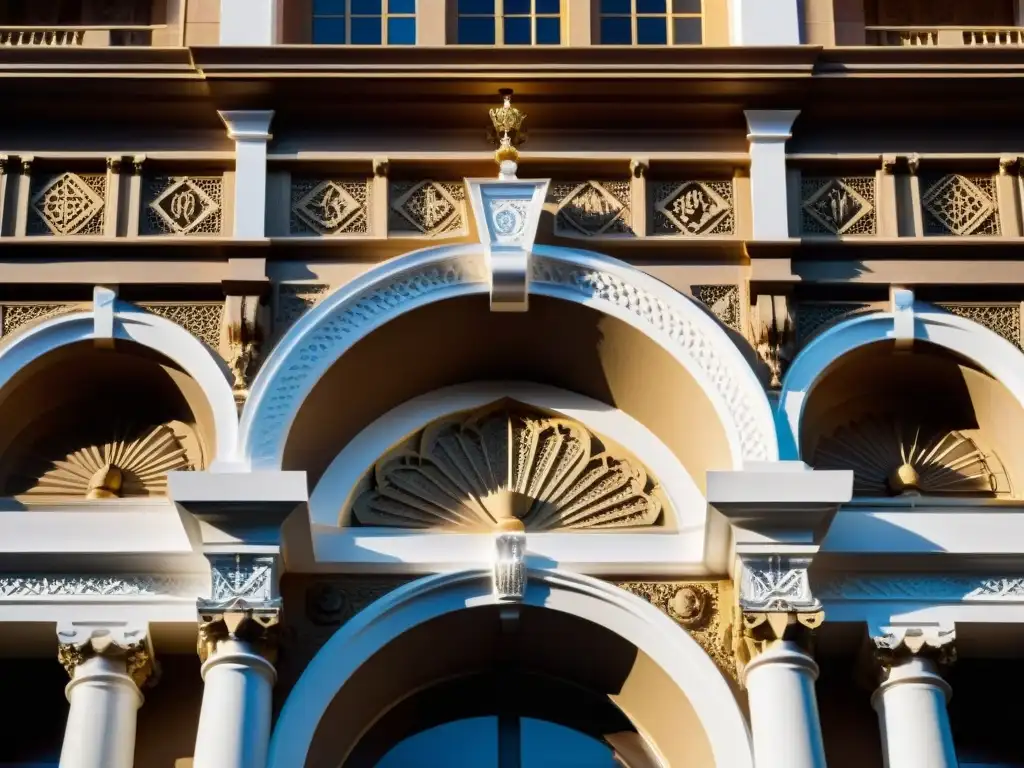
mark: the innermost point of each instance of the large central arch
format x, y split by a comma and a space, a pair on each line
403, 284
636, 621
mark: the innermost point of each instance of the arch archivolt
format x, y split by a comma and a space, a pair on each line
648, 619
999, 358
325, 333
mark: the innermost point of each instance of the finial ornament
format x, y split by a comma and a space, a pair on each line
508, 127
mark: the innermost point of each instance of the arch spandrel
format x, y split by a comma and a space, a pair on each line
400, 286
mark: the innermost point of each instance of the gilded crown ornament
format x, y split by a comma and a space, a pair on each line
508, 127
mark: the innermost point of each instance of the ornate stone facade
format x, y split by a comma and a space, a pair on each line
960, 205
67, 204
330, 207
428, 208
591, 208
838, 206
184, 205
692, 208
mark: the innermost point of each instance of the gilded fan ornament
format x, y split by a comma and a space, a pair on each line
497, 466
890, 459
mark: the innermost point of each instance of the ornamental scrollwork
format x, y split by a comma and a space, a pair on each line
960, 205
329, 207
429, 208
184, 205
591, 208
68, 204
838, 206
694, 208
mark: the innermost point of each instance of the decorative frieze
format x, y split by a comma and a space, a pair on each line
67, 204
694, 208
925, 588
960, 205
77, 643
200, 318
294, 300
183, 205
330, 207
31, 586
591, 208
776, 583
723, 301
1003, 319
702, 609
838, 206
19, 315
428, 208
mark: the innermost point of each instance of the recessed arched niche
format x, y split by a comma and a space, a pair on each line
924, 422
89, 423
556, 343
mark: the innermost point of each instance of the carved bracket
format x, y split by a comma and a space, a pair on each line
773, 334
79, 642
893, 644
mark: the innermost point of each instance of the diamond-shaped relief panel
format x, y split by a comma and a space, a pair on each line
960, 205
184, 205
429, 208
694, 208
591, 208
330, 207
838, 206
67, 204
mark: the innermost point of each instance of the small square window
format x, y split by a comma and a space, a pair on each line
476, 6
686, 6
616, 6
548, 6
476, 30
687, 31
517, 30
329, 7
368, 7
329, 31
366, 30
517, 7
650, 6
401, 6
616, 30
549, 31
651, 30
402, 30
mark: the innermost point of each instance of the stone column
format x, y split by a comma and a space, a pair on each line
768, 132
764, 22
776, 667
250, 131
250, 22
911, 699
107, 664
237, 643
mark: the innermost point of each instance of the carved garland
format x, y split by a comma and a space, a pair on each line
478, 471
368, 307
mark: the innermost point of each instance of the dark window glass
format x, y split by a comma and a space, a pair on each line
616, 30
366, 6
329, 7
686, 6
513, 7
651, 31
549, 31
616, 6
650, 6
687, 31
402, 31
402, 6
476, 30
329, 31
476, 6
517, 30
548, 6
366, 31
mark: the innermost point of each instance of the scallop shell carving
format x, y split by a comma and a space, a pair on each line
122, 467
472, 473
889, 459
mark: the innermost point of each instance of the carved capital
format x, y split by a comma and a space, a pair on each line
895, 644
77, 643
889, 164
137, 162
700, 608
638, 168
256, 625
26, 164
381, 167
777, 584
114, 164
1008, 165
757, 631
913, 163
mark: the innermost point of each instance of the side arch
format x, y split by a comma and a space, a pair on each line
146, 329
403, 284
636, 621
990, 351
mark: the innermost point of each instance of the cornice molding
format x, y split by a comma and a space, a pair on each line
945, 588
36, 586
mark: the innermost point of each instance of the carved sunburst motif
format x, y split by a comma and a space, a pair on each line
888, 458
135, 464
474, 472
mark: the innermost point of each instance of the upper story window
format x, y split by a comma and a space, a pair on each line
364, 22
650, 22
509, 22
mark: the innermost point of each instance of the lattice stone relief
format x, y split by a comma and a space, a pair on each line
591, 208
429, 208
960, 205
813, 318
478, 470
18, 315
694, 208
200, 318
67, 204
891, 456
183, 205
838, 206
723, 301
330, 207
294, 300
1003, 319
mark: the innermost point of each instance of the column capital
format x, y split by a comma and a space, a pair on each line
770, 125
757, 632
248, 125
243, 603
79, 642
894, 645
776, 584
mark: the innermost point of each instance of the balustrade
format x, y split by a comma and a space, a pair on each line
945, 37
78, 36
